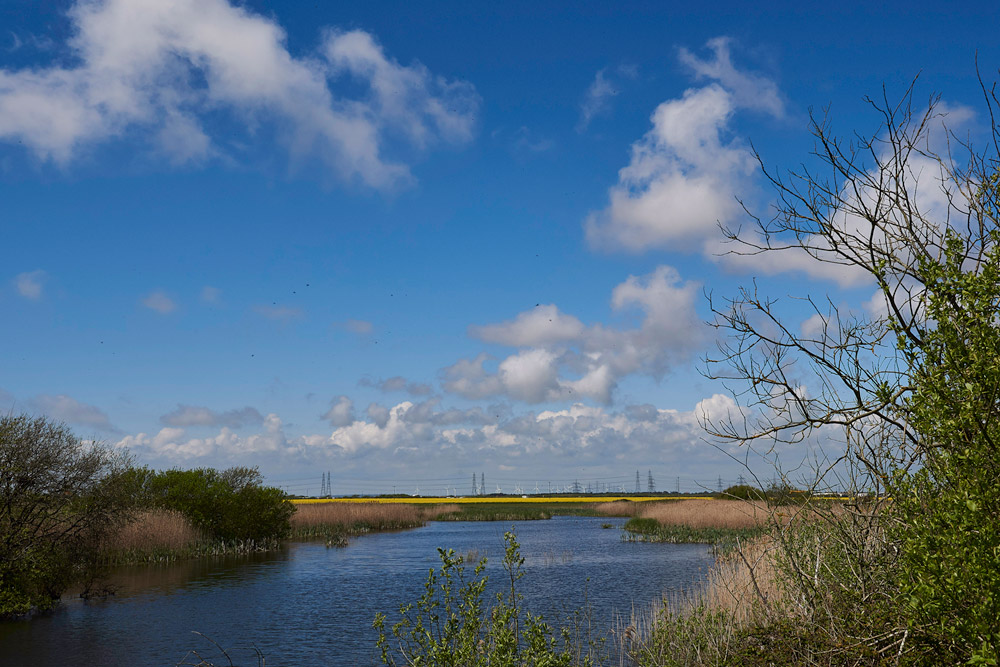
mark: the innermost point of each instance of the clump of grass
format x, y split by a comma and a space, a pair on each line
648, 530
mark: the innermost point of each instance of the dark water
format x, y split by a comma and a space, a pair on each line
310, 606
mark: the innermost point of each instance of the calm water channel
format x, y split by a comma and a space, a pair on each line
309, 605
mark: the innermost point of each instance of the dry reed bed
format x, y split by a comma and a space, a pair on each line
694, 513
747, 587
160, 534
616, 508
742, 589
354, 517
708, 513
153, 530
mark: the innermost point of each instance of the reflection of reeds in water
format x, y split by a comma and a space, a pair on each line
550, 557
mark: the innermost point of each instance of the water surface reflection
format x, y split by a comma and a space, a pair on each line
309, 606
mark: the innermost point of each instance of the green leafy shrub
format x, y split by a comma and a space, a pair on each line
947, 513
450, 626
231, 505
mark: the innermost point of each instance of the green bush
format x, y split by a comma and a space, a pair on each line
231, 505
449, 626
947, 513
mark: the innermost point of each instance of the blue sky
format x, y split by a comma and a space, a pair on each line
408, 243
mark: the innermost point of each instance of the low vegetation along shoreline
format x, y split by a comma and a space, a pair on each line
164, 535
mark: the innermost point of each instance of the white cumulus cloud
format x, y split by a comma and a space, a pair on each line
562, 359
749, 90
154, 67
686, 173
341, 412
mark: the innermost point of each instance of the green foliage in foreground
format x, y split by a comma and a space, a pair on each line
948, 512
231, 505
58, 498
450, 626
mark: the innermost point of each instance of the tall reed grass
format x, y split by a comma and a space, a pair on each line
617, 508
754, 607
707, 513
711, 625
160, 536
336, 521
154, 529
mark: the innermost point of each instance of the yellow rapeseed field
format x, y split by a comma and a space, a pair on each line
481, 499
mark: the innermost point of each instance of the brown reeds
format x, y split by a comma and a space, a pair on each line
154, 530
321, 518
742, 590
617, 508
431, 512
745, 581
708, 513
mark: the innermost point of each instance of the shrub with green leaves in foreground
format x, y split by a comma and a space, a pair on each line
450, 626
947, 513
